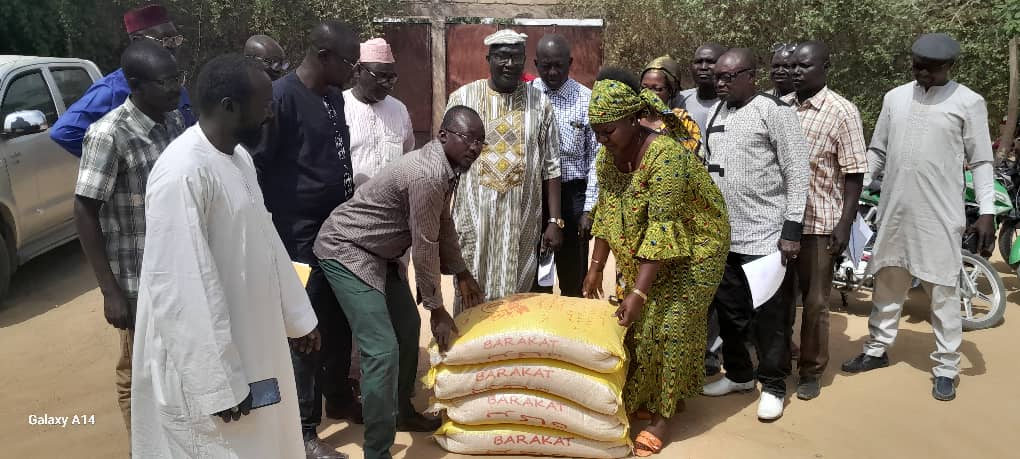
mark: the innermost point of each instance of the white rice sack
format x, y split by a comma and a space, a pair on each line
525, 440
524, 407
538, 326
600, 392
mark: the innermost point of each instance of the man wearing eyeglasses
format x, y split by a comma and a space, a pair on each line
267, 51
498, 209
755, 145
406, 207
146, 23
118, 152
928, 130
304, 168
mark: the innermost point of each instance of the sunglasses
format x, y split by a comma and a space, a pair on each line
173, 42
276, 66
391, 78
784, 47
729, 77
497, 59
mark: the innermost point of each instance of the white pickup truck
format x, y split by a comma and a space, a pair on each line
37, 176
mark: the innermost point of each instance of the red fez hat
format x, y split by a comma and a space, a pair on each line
144, 17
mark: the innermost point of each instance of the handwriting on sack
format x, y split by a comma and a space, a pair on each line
533, 439
531, 341
524, 402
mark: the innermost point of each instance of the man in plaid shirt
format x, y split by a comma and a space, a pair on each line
577, 155
832, 127
118, 152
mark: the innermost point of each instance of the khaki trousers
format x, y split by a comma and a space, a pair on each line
123, 376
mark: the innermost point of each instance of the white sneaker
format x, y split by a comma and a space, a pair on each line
725, 386
770, 407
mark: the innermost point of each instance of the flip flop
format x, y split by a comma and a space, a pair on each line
647, 444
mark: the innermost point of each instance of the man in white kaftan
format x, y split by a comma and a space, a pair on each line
498, 205
219, 297
928, 131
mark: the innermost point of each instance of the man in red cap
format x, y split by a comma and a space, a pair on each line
149, 22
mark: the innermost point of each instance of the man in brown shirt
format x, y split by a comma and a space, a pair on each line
406, 205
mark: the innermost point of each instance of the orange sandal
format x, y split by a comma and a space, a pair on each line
647, 444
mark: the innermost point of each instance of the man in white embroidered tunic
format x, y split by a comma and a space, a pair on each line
927, 132
498, 205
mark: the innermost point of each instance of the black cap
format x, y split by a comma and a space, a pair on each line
936, 47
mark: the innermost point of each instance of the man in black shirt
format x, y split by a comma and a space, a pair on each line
304, 167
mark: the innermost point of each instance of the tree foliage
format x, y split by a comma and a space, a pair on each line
94, 30
870, 39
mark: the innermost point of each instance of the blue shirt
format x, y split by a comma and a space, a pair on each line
577, 140
106, 94
304, 163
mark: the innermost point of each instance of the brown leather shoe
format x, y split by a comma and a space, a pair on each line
317, 449
417, 422
351, 413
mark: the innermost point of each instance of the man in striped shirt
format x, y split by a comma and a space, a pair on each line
835, 138
406, 206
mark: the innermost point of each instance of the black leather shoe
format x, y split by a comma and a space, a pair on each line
418, 423
351, 413
317, 449
864, 362
808, 388
943, 389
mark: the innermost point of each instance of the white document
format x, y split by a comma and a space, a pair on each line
546, 270
860, 234
764, 276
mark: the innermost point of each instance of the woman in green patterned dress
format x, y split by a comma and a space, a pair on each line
665, 222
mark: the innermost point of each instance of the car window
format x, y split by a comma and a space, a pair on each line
71, 83
28, 91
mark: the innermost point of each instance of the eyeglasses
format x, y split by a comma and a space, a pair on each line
467, 139
324, 51
172, 82
276, 66
784, 47
173, 42
391, 78
516, 59
729, 77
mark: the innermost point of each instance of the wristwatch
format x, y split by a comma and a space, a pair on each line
558, 221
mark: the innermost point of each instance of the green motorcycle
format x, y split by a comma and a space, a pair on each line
982, 293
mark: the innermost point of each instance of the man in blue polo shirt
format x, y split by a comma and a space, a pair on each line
148, 22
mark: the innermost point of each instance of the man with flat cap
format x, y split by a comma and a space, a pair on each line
268, 51
150, 22
498, 206
927, 132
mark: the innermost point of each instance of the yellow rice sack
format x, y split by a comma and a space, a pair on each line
524, 407
574, 330
600, 392
525, 440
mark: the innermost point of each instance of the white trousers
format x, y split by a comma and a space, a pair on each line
891, 287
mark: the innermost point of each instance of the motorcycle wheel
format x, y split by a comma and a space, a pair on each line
982, 294
1008, 233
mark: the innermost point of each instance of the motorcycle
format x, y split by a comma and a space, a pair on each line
1008, 174
982, 293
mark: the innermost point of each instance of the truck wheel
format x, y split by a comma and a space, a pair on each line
5, 268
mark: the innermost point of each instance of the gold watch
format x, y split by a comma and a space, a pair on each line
558, 221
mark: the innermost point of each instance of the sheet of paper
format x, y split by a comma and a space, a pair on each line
764, 276
303, 271
547, 270
860, 234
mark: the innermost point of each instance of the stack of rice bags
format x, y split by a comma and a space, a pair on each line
536, 375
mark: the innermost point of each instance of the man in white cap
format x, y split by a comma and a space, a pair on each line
380, 125
927, 132
498, 208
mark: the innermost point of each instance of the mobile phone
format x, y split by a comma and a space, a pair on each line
264, 393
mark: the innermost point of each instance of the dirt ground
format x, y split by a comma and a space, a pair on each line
58, 354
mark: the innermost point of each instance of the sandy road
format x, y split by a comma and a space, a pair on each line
57, 356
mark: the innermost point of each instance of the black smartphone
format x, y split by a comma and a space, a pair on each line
264, 393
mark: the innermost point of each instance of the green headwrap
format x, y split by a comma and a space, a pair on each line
612, 100
668, 66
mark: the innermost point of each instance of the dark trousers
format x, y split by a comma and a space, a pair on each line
386, 326
323, 373
768, 328
814, 271
572, 259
